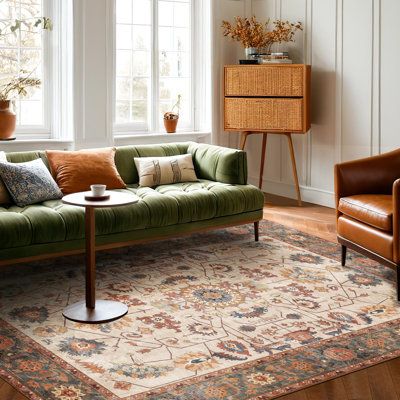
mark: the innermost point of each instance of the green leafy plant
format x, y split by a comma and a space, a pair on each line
10, 27
174, 114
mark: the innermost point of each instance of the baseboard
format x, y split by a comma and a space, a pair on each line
308, 194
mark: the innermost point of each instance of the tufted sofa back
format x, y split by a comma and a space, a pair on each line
210, 162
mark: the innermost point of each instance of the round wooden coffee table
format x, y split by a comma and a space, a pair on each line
92, 311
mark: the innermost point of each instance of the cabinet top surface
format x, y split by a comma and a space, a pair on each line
266, 65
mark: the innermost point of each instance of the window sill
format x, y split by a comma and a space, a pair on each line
23, 144
36, 144
155, 138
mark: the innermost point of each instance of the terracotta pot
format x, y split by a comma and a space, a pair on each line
7, 120
170, 125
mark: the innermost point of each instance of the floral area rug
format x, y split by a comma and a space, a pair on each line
212, 316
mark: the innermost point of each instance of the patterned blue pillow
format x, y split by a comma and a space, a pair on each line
29, 182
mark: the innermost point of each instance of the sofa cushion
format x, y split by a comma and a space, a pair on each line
125, 155
166, 205
15, 228
75, 171
29, 182
219, 164
155, 171
371, 209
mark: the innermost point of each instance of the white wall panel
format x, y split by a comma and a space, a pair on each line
389, 74
357, 79
92, 65
323, 60
224, 52
294, 11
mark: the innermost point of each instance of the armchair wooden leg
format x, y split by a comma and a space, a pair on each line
256, 230
344, 252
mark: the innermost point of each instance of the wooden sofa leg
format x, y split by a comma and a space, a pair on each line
256, 230
344, 252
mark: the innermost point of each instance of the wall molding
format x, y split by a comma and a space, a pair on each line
376, 79
339, 80
309, 194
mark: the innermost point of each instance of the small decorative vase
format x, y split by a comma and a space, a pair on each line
250, 52
7, 120
170, 125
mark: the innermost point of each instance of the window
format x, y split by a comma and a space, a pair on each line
37, 53
153, 63
23, 52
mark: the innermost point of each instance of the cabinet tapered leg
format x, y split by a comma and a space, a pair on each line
262, 162
294, 169
243, 139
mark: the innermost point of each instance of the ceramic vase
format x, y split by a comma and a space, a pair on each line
170, 125
7, 120
249, 52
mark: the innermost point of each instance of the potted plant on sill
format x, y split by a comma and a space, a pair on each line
10, 89
171, 118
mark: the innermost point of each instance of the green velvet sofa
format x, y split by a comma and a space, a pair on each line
220, 198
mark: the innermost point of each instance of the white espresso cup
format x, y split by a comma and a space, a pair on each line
98, 190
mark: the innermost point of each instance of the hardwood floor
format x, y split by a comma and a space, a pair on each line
315, 220
379, 382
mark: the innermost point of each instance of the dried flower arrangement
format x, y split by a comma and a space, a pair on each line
251, 33
17, 86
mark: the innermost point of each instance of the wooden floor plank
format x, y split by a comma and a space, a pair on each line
8, 392
331, 390
380, 382
357, 385
394, 370
295, 396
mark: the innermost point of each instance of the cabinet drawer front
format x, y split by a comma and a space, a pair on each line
264, 114
269, 81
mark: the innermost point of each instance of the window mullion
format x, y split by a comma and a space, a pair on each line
155, 75
48, 71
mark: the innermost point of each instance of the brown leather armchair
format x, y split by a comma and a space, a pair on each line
367, 195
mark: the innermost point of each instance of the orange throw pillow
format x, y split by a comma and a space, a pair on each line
75, 171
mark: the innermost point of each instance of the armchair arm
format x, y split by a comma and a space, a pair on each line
220, 164
396, 221
367, 176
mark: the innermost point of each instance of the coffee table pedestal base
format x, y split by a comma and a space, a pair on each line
105, 311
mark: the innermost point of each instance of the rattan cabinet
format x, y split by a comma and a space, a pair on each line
268, 99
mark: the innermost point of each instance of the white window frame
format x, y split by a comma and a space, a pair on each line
57, 76
200, 26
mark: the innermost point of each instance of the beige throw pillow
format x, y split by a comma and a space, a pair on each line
155, 171
4, 195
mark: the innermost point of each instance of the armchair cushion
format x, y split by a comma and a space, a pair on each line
372, 209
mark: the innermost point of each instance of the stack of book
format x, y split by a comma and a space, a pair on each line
277, 58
